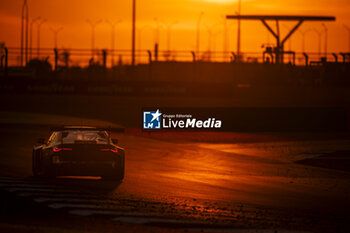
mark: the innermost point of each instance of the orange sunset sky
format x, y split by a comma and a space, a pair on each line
76, 33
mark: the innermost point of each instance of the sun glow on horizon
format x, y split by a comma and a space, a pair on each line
221, 1
154, 18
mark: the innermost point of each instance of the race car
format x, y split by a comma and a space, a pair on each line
79, 151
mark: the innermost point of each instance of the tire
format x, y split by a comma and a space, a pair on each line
117, 174
121, 170
120, 173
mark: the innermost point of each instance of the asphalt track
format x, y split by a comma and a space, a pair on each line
182, 184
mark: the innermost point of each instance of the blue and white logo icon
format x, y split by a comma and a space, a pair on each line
151, 120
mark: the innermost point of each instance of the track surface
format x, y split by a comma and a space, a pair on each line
193, 185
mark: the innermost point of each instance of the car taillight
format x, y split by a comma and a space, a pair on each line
55, 149
113, 150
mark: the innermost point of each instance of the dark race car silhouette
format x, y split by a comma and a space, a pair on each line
79, 151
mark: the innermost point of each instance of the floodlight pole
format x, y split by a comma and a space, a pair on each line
139, 40
210, 39
24, 32
199, 32
303, 34
225, 40
93, 26
319, 34
31, 36
239, 33
55, 33
157, 31
38, 39
325, 39
112, 24
169, 27
133, 32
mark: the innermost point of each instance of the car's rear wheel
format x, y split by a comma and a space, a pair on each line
121, 170
117, 174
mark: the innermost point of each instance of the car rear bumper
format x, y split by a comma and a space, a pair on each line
75, 168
